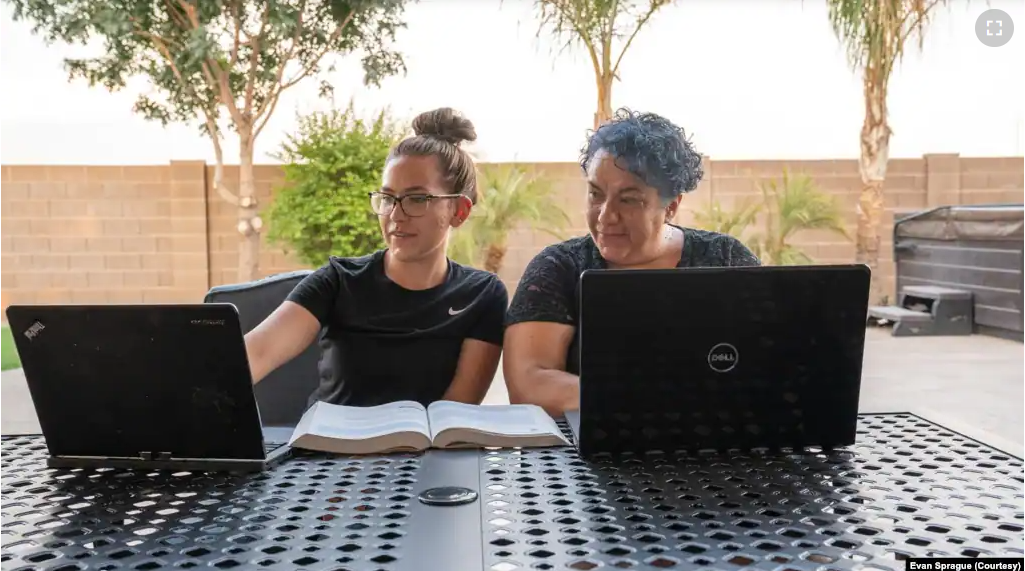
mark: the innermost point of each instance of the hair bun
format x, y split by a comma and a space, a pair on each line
445, 124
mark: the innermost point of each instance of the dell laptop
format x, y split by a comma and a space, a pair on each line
731, 358
143, 386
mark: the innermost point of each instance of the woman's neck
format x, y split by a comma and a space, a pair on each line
666, 256
421, 274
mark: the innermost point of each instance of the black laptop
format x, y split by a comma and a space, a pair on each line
720, 359
144, 386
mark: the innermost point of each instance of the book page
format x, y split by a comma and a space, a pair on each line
516, 420
358, 423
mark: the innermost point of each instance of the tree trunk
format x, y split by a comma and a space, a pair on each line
604, 112
493, 257
249, 223
875, 153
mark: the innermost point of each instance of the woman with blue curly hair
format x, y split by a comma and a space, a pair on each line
638, 167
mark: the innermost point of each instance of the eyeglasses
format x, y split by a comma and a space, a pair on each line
411, 204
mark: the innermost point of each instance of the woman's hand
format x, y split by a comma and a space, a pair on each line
535, 366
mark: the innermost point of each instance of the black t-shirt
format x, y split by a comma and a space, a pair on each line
383, 343
548, 290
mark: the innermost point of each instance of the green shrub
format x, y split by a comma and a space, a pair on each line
332, 162
10, 358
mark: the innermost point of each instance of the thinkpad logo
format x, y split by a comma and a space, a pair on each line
33, 331
723, 358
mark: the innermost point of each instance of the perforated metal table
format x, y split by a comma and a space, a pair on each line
908, 488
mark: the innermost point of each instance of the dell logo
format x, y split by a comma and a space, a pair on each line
723, 358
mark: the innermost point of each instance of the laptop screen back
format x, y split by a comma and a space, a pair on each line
721, 357
118, 381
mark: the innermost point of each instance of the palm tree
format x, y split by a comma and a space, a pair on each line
794, 204
874, 33
596, 24
509, 197
730, 222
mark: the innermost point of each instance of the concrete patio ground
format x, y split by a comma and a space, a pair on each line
977, 381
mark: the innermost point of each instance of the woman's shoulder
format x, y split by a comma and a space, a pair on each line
699, 236
475, 278
577, 254
711, 248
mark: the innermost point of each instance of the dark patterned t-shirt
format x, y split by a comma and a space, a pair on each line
548, 289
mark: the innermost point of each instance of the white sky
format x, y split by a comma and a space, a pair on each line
751, 79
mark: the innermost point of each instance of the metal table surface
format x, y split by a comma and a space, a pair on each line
909, 487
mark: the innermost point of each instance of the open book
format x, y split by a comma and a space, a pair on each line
407, 425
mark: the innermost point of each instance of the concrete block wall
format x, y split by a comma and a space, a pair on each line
146, 234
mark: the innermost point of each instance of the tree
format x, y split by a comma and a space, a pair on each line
509, 197
874, 33
223, 63
332, 163
596, 24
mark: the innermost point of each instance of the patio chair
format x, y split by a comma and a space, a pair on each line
281, 396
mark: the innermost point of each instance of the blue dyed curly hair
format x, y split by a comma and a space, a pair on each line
651, 147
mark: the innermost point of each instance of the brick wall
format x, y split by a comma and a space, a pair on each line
161, 233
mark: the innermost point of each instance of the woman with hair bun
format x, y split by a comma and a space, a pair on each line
405, 322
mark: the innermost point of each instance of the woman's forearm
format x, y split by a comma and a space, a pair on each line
553, 390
